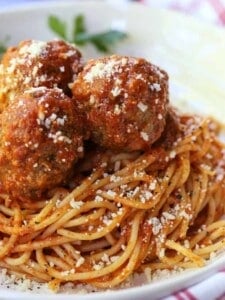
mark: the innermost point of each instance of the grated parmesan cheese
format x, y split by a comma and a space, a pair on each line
144, 136
142, 106
76, 204
34, 49
155, 87
115, 91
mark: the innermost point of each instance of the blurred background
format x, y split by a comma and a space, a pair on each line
212, 11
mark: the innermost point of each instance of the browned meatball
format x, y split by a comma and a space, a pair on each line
124, 100
35, 63
171, 131
40, 140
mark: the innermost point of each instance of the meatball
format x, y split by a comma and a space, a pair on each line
124, 100
35, 63
172, 129
40, 141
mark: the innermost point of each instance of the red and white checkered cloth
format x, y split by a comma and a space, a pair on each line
210, 10
213, 11
213, 288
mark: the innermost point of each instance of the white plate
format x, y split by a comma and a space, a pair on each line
191, 52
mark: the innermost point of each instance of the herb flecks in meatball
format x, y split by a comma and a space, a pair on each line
124, 100
41, 140
35, 63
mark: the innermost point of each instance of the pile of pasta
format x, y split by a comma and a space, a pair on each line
159, 209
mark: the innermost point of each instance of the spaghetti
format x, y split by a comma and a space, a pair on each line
158, 209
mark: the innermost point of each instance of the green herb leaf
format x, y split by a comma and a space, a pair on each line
100, 45
57, 26
79, 26
102, 41
3, 46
